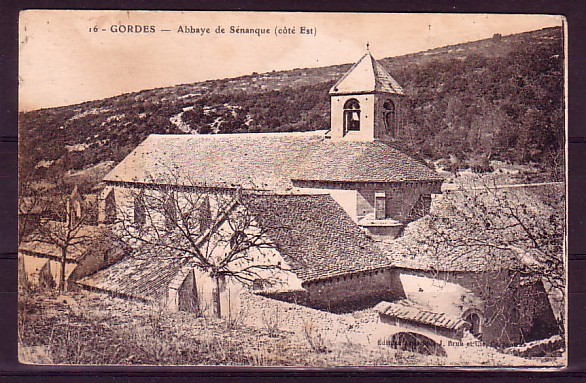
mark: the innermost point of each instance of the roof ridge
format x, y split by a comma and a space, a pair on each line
267, 162
395, 86
358, 81
345, 75
311, 133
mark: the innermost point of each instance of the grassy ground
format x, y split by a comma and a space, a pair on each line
90, 328
95, 329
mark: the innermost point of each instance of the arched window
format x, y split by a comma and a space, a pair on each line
351, 115
139, 210
474, 318
390, 123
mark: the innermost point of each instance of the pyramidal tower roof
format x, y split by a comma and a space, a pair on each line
366, 76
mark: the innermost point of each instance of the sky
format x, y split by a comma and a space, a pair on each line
67, 57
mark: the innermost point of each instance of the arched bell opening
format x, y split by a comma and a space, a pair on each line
390, 117
351, 115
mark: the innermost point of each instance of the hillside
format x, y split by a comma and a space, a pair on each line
499, 98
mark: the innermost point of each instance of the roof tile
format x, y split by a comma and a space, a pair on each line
316, 236
408, 310
367, 75
149, 279
271, 161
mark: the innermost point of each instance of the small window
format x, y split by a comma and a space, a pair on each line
380, 205
170, 211
390, 117
237, 240
351, 115
110, 207
205, 215
139, 210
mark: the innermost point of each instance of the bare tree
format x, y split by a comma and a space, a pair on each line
32, 206
215, 230
517, 233
64, 225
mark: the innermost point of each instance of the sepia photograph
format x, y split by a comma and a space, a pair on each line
292, 189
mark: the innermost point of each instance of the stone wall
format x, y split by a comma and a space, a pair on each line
355, 291
400, 200
364, 203
274, 315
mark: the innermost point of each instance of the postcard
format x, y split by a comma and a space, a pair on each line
292, 189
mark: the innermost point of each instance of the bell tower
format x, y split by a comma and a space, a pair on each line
366, 103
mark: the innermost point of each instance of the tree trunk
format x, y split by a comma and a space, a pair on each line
63, 261
216, 298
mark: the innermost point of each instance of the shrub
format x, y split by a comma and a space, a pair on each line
314, 338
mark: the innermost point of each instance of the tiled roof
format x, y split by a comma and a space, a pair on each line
416, 250
267, 161
142, 278
313, 233
409, 253
410, 311
476, 261
316, 236
367, 75
376, 161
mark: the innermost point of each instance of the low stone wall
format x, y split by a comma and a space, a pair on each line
543, 347
296, 297
307, 324
356, 291
278, 316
